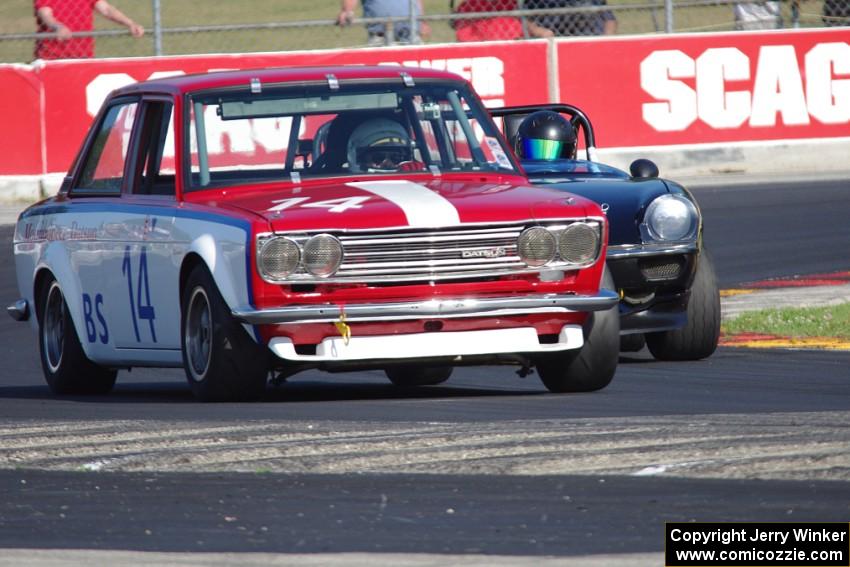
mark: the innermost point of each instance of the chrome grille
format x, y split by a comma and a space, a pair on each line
431, 255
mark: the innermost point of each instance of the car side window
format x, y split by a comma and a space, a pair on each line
103, 171
154, 168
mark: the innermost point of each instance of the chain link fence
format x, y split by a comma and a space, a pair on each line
176, 27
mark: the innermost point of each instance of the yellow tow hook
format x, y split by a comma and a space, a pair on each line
343, 328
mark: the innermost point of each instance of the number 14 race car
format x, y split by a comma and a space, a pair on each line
669, 300
254, 223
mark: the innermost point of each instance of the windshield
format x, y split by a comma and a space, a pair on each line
302, 132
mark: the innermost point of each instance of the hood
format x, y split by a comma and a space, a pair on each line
370, 203
624, 202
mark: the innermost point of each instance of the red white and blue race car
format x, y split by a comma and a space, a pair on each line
249, 223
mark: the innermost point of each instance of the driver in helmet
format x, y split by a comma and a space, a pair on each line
380, 145
545, 135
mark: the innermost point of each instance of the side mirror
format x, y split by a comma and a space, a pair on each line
643, 169
64, 188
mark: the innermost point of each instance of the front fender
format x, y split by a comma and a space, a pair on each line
227, 262
56, 260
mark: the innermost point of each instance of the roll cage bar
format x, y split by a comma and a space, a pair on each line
514, 114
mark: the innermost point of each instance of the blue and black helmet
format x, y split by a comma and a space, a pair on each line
545, 135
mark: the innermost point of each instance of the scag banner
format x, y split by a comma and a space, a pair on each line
74, 90
725, 87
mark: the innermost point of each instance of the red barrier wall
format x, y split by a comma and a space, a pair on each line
639, 91
703, 88
21, 134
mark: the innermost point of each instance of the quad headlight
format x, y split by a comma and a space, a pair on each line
277, 258
322, 255
536, 246
671, 218
576, 244
282, 259
579, 243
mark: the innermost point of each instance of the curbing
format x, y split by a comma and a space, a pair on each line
735, 302
16, 189
777, 157
822, 290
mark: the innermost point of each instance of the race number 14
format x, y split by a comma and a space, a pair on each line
140, 301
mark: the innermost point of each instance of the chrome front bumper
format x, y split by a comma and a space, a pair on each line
617, 251
431, 309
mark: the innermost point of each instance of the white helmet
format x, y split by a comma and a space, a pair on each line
379, 144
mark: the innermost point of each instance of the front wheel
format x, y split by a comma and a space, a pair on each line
698, 338
593, 366
222, 363
66, 367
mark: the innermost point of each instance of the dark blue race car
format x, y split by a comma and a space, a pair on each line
669, 299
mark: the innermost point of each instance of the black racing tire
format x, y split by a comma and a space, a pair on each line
408, 376
632, 343
698, 338
66, 367
222, 362
593, 366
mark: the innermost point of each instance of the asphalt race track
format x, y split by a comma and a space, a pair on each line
779, 229
485, 470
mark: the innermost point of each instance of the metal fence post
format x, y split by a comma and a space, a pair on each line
554, 71
414, 22
521, 6
157, 28
668, 16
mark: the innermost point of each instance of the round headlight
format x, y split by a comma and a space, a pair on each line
671, 217
322, 255
278, 257
536, 246
579, 243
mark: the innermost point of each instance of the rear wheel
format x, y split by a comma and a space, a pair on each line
222, 362
698, 338
418, 375
65, 365
593, 366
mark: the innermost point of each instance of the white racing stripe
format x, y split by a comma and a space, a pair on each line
423, 207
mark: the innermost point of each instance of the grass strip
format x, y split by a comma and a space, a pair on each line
832, 321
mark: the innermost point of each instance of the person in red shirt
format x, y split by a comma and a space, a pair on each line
494, 28
65, 17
